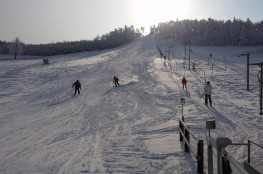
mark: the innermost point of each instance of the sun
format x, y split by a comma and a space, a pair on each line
150, 12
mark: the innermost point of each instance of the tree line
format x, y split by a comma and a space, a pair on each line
211, 32
110, 40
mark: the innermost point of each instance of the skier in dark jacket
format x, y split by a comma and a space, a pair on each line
116, 81
77, 87
184, 83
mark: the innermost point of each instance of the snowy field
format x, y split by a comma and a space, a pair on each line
133, 128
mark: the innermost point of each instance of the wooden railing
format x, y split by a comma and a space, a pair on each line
185, 133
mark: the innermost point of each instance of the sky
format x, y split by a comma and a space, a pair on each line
47, 21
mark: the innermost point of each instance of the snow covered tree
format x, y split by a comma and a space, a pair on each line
16, 47
212, 32
142, 30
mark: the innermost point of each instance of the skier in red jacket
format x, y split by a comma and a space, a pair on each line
184, 83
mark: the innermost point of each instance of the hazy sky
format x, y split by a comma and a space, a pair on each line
45, 21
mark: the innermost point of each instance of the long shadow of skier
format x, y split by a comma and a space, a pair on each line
222, 117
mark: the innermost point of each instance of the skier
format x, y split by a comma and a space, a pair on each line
116, 81
45, 61
207, 92
77, 87
184, 83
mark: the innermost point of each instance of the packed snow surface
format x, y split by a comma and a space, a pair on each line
133, 128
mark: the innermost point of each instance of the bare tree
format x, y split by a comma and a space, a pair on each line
16, 47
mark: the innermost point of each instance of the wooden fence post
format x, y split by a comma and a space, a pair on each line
182, 129
200, 156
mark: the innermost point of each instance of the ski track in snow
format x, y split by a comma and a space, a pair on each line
132, 128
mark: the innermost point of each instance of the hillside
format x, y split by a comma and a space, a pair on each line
133, 128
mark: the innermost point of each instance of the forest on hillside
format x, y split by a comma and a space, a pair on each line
110, 40
208, 32
211, 32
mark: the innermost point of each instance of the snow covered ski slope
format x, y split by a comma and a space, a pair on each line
133, 128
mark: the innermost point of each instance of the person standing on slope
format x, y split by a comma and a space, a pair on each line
184, 83
116, 81
207, 92
77, 87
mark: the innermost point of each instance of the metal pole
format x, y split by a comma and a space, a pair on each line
212, 70
248, 152
210, 158
261, 83
246, 54
225, 63
189, 53
183, 112
185, 52
260, 79
248, 71
219, 154
182, 103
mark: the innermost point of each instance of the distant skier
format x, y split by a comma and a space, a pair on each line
45, 61
184, 83
77, 87
207, 92
116, 81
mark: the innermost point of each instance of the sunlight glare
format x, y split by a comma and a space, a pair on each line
149, 12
